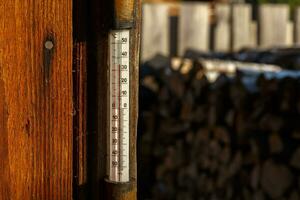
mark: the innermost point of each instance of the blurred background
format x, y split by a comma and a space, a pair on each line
220, 100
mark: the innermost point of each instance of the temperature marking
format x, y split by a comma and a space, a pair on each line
118, 136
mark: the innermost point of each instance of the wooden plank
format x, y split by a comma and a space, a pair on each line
194, 27
134, 96
297, 26
290, 33
273, 20
80, 145
36, 99
222, 30
79, 121
155, 30
241, 26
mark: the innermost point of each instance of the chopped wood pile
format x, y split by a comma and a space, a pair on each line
235, 138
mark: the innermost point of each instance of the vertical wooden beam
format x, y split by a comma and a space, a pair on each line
241, 26
79, 121
134, 86
222, 31
194, 27
273, 20
80, 144
36, 99
155, 30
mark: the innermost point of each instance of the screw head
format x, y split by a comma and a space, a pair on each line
49, 45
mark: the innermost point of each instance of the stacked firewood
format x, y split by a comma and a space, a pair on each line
235, 138
289, 58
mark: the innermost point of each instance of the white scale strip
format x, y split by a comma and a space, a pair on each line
118, 148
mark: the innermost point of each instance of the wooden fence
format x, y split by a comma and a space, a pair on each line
221, 28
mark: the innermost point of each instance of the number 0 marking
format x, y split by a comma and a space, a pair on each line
119, 79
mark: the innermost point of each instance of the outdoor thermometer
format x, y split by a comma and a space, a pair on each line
119, 93
119, 106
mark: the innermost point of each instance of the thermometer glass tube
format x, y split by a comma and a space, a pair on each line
118, 136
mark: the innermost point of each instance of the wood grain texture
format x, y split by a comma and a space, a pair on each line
80, 132
36, 99
80, 100
134, 94
125, 191
194, 27
124, 11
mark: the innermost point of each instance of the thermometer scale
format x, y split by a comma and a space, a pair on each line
122, 60
119, 79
